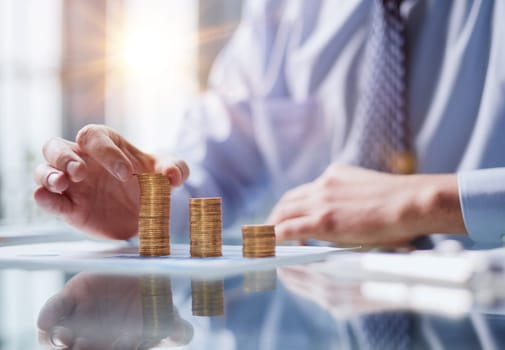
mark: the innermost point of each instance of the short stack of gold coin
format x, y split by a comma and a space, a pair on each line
154, 215
258, 241
205, 231
207, 298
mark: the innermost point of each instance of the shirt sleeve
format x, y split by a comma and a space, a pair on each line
482, 196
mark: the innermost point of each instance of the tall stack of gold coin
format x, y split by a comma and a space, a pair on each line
258, 241
205, 230
154, 215
207, 297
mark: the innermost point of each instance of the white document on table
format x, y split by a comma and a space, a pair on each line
122, 257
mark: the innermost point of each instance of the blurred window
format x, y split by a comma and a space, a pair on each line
30, 96
134, 65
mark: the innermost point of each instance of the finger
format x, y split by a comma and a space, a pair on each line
101, 144
287, 210
51, 178
300, 228
61, 154
54, 203
61, 337
82, 343
55, 309
176, 170
285, 207
299, 192
125, 341
57, 338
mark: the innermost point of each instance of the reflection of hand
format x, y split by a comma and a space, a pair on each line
90, 184
103, 312
342, 299
350, 205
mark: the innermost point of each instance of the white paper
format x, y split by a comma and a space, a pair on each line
120, 257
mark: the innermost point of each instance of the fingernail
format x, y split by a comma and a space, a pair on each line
122, 172
171, 179
52, 179
61, 337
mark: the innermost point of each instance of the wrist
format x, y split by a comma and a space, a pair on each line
434, 205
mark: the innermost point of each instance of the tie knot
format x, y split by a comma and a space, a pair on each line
392, 3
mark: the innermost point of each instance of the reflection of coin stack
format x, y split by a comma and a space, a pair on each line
259, 281
157, 307
205, 227
258, 241
154, 215
207, 298
163, 327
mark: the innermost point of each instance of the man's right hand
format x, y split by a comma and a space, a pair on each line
90, 182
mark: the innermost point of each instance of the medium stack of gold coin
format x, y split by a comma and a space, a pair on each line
207, 297
205, 230
154, 215
259, 281
258, 241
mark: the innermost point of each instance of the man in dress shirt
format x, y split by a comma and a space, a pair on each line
274, 126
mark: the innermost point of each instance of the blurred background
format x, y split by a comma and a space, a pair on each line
134, 65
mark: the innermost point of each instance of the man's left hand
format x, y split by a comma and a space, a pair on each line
350, 205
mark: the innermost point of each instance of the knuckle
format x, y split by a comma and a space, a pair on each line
87, 134
287, 195
327, 181
286, 231
62, 159
327, 221
184, 168
337, 166
93, 144
49, 145
280, 213
274, 215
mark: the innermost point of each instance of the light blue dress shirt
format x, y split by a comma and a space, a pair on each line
283, 94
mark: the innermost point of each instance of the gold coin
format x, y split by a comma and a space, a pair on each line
207, 298
205, 200
154, 215
205, 227
258, 241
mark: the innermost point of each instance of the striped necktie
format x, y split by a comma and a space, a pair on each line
380, 133
382, 141
385, 330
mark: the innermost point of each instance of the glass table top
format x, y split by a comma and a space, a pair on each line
304, 306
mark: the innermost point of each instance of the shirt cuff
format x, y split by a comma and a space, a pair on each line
482, 197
